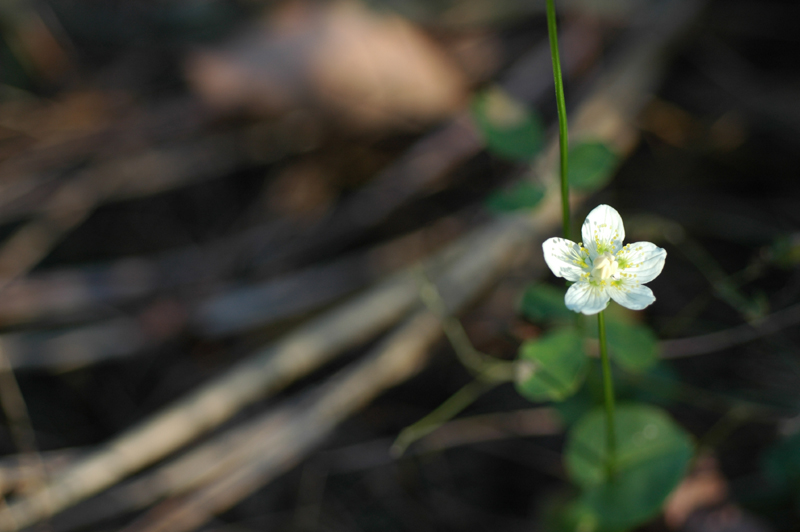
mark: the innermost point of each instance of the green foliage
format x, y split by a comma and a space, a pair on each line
651, 458
781, 464
12, 71
591, 166
567, 514
552, 367
785, 251
511, 131
586, 398
544, 303
657, 384
522, 196
633, 346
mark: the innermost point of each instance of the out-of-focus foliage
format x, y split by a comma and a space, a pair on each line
633, 346
511, 131
591, 166
521, 196
551, 367
781, 466
543, 303
785, 251
652, 455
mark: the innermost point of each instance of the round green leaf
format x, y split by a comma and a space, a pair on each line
651, 459
591, 166
510, 130
633, 346
521, 196
544, 302
552, 367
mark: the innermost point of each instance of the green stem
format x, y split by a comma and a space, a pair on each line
443, 413
472, 359
608, 392
563, 141
494, 375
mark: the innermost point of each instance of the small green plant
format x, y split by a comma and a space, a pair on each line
625, 460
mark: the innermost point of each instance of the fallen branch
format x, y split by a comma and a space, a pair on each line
278, 442
234, 463
229, 312
266, 372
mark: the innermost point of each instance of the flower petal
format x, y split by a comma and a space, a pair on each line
602, 232
565, 258
630, 295
643, 260
586, 298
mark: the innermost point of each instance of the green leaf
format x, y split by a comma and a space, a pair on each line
511, 131
652, 456
566, 513
781, 464
521, 196
591, 166
552, 367
659, 385
543, 303
588, 396
633, 346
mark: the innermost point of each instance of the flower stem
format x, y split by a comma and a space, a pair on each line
608, 392
563, 141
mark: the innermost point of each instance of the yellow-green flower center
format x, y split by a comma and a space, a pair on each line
605, 267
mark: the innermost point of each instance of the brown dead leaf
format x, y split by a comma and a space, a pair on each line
362, 69
704, 487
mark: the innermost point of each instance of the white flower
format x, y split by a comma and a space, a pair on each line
602, 267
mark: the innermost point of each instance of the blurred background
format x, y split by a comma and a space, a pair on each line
217, 215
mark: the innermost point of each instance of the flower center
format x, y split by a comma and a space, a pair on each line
605, 267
